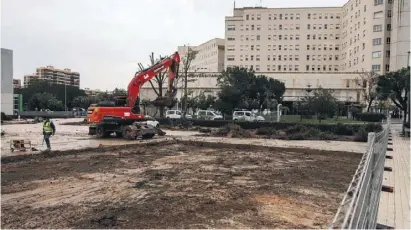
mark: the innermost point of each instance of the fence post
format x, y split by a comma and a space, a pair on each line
371, 139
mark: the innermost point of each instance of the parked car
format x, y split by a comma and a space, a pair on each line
208, 115
246, 116
152, 121
176, 114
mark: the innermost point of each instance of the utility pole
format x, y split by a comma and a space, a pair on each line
65, 96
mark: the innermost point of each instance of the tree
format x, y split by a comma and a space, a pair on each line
368, 83
157, 82
145, 103
186, 60
323, 103
44, 101
205, 102
396, 87
240, 88
60, 91
81, 101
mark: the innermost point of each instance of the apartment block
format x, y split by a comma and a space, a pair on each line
16, 84
210, 56
55, 76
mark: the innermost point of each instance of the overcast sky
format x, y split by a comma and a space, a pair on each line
105, 39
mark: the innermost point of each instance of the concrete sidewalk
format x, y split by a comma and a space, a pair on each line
394, 208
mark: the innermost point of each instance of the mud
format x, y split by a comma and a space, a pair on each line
175, 184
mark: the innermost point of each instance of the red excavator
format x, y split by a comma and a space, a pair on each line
123, 116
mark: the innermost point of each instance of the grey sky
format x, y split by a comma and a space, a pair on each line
105, 39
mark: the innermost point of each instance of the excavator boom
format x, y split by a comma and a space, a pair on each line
172, 63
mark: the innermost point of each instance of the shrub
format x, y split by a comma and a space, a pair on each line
373, 127
295, 129
232, 130
297, 136
341, 129
4, 117
370, 117
266, 131
361, 135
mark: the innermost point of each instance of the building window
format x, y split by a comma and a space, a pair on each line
308, 57
378, 15
389, 13
231, 38
297, 37
231, 27
309, 16
247, 17
257, 58
297, 27
388, 27
387, 68
377, 28
376, 68
257, 67
376, 54
268, 67
258, 37
268, 58
297, 16
308, 37
230, 58
258, 16
297, 47
388, 40
281, 17
308, 26
296, 57
378, 2
376, 41
387, 53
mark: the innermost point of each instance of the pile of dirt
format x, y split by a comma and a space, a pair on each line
232, 131
83, 122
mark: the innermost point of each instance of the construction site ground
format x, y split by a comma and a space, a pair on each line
176, 181
176, 184
69, 137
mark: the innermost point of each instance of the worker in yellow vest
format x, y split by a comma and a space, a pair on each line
48, 130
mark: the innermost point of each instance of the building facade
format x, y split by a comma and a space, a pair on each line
55, 76
92, 92
7, 81
210, 56
333, 44
16, 84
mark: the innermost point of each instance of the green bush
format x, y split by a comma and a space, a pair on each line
370, 117
345, 130
296, 129
297, 136
361, 135
373, 127
4, 117
266, 131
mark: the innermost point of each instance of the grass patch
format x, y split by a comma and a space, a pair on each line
297, 119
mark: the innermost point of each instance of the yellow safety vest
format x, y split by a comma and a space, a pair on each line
47, 127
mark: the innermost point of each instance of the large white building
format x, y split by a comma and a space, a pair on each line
7, 81
327, 46
313, 46
210, 56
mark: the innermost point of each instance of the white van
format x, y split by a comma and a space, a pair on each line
246, 116
208, 115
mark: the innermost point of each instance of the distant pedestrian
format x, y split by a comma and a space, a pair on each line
48, 130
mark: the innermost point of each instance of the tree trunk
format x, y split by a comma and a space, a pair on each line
369, 105
185, 93
161, 108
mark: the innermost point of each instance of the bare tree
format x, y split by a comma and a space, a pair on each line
186, 60
156, 82
368, 83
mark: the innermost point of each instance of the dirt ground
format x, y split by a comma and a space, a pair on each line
175, 184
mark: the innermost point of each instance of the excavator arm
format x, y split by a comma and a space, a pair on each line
172, 63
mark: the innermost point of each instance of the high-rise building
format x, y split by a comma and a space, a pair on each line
55, 76
7, 81
320, 46
16, 83
210, 56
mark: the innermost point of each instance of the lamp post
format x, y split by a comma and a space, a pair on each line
65, 96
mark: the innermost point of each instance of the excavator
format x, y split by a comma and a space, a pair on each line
123, 117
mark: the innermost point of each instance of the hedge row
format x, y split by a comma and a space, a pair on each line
338, 129
370, 116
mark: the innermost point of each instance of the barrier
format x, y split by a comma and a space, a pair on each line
359, 207
54, 114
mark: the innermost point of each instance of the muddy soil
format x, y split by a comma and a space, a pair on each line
179, 184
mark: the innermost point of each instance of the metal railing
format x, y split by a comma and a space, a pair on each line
359, 207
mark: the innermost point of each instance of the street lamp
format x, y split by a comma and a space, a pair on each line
65, 96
